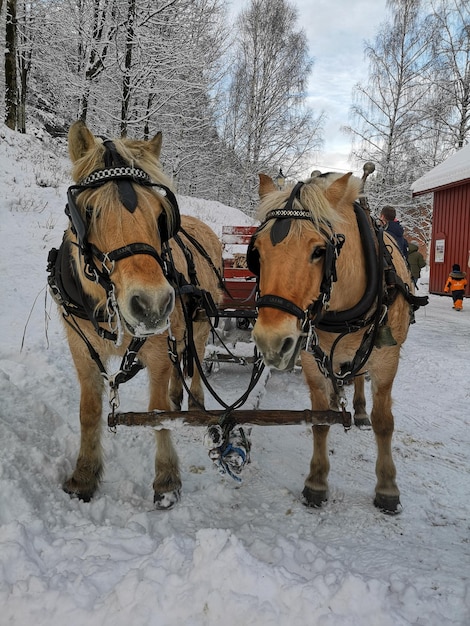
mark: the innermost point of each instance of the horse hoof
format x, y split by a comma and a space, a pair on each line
84, 496
362, 422
313, 499
388, 504
166, 501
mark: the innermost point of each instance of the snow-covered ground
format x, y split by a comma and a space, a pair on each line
247, 555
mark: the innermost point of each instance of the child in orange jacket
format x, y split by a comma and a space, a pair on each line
456, 283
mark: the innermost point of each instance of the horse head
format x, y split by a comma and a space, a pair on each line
295, 254
122, 211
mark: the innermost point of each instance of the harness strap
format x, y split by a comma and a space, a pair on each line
256, 372
97, 178
415, 301
205, 255
202, 298
351, 369
130, 364
277, 302
343, 321
124, 252
64, 289
395, 284
188, 255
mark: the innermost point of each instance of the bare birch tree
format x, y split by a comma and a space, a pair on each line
96, 30
451, 20
268, 124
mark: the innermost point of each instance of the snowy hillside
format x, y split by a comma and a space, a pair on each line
249, 555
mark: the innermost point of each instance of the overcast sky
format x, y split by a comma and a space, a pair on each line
336, 32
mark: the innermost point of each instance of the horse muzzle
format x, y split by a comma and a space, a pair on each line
280, 350
145, 312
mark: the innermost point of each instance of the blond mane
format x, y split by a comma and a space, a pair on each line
313, 199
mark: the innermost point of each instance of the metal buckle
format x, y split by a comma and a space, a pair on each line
114, 319
105, 260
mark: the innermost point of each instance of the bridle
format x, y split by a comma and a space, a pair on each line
370, 312
116, 170
333, 244
64, 282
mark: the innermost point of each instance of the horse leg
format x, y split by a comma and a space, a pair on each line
387, 494
89, 466
167, 483
176, 389
315, 491
359, 403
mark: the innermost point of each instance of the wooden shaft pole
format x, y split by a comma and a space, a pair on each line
240, 416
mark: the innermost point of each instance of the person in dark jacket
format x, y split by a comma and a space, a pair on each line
392, 226
416, 262
456, 283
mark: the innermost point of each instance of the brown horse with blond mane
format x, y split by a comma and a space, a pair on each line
342, 303
125, 277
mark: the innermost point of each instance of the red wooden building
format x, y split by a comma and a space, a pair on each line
450, 242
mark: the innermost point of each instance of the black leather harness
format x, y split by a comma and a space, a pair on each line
383, 286
63, 278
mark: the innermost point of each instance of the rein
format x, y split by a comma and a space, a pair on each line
205, 301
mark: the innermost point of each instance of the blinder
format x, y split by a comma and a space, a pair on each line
279, 230
252, 254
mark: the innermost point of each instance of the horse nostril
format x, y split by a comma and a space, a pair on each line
168, 305
140, 306
149, 309
287, 346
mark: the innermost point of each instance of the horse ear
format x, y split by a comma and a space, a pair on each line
266, 185
337, 189
155, 144
80, 140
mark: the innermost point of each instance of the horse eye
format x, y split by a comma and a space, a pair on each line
317, 253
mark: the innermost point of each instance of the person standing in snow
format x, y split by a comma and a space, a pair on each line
416, 262
392, 226
456, 283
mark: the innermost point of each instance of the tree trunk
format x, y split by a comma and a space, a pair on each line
21, 108
11, 89
126, 80
24, 68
